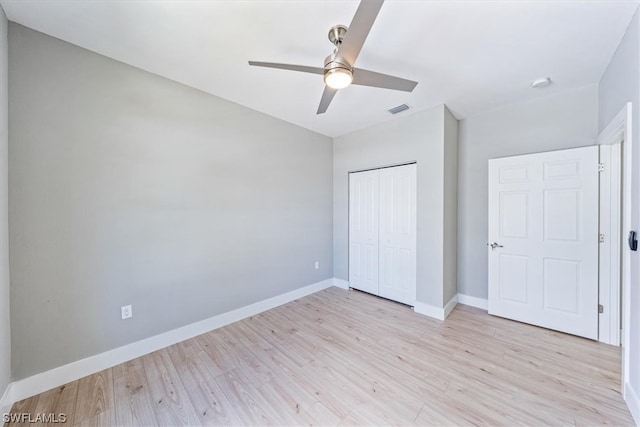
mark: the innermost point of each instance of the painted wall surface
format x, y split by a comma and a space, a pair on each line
565, 120
450, 206
5, 330
621, 84
416, 137
128, 188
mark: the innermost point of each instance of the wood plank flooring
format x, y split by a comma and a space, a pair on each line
347, 358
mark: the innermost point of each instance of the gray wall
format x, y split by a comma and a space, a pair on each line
5, 331
414, 137
127, 188
450, 206
565, 120
621, 84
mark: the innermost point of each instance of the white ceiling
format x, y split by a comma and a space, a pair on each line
470, 55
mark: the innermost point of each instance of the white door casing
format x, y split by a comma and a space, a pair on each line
543, 214
363, 230
398, 233
609, 275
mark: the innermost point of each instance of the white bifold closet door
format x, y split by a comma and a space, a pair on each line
382, 232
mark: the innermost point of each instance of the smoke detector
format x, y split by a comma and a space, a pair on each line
540, 83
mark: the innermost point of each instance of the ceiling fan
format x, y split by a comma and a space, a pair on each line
339, 71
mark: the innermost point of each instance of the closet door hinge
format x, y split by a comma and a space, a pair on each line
600, 167
600, 309
601, 238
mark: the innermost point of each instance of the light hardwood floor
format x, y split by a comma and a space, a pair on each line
344, 357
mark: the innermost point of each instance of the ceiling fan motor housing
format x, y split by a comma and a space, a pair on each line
333, 61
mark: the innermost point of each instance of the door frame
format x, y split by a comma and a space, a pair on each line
610, 247
619, 131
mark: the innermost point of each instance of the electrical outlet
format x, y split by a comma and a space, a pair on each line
317, 265
126, 312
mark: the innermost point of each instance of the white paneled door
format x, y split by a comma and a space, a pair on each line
382, 232
543, 239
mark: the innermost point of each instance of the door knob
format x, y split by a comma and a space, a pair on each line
494, 245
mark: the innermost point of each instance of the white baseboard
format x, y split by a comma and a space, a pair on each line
633, 402
482, 303
439, 313
429, 310
450, 306
339, 283
44, 381
7, 400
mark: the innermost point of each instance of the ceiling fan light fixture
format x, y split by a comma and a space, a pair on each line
338, 78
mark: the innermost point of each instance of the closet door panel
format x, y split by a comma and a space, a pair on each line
363, 230
398, 233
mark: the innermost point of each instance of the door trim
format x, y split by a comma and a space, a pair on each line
394, 165
618, 131
610, 243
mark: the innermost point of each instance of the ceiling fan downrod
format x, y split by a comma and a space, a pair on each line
337, 33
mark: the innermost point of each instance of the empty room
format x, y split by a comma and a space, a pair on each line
305, 212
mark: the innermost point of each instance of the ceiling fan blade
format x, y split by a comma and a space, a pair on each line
371, 78
359, 29
302, 68
327, 96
